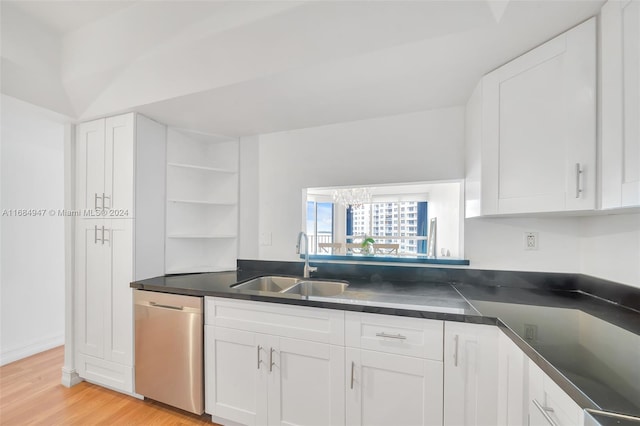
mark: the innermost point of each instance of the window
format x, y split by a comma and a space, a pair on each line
379, 220
391, 214
319, 224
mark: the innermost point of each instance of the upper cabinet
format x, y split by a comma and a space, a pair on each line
620, 95
105, 153
531, 130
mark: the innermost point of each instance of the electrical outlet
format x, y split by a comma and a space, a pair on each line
531, 241
530, 332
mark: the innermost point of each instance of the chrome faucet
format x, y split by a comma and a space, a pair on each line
307, 269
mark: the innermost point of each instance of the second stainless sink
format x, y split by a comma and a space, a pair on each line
293, 285
317, 288
271, 284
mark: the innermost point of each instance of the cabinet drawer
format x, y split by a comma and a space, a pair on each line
299, 322
397, 335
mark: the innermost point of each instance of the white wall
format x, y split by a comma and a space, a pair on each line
31, 66
406, 148
248, 217
32, 257
610, 248
498, 243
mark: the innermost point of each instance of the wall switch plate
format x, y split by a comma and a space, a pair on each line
531, 241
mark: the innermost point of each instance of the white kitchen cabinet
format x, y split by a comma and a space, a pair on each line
512, 383
120, 161
257, 378
105, 164
104, 267
548, 404
202, 202
394, 370
531, 130
470, 374
385, 389
620, 103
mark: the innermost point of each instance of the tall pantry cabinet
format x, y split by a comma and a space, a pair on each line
120, 198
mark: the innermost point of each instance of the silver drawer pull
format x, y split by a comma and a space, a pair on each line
545, 412
578, 187
271, 363
353, 368
158, 305
391, 336
259, 349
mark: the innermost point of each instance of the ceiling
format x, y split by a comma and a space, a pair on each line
241, 68
65, 16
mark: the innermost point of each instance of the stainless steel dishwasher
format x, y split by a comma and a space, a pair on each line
169, 349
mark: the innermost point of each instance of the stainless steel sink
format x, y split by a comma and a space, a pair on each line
271, 284
292, 285
318, 288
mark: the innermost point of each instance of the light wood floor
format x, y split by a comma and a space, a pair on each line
31, 393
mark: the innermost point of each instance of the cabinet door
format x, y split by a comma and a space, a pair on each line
388, 389
539, 126
620, 59
470, 372
512, 392
118, 163
90, 151
92, 280
548, 403
306, 383
118, 321
236, 364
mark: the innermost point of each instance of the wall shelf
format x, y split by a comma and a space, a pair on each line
202, 203
204, 168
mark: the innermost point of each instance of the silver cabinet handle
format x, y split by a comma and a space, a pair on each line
108, 240
391, 336
353, 369
578, 173
259, 349
271, 360
545, 412
104, 197
95, 201
456, 339
159, 305
95, 234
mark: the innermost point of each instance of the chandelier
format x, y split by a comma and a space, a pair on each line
354, 197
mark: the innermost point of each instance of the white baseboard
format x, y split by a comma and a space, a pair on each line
14, 354
70, 377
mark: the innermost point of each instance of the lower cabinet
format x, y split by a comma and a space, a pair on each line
470, 374
256, 378
548, 405
104, 302
272, 364
394, 370
512, 383
388, 389
260, 379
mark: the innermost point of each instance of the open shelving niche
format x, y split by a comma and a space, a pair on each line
202, 202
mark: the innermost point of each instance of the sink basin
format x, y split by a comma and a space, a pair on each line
272, 284
317, 288
293, 285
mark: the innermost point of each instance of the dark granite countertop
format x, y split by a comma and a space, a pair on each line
588, 345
